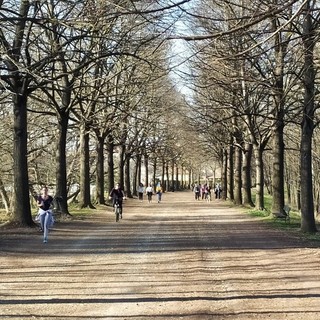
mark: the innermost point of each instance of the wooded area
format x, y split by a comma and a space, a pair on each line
94, 92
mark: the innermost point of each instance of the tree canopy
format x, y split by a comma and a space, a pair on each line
167, 90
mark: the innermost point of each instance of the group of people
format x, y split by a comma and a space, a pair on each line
150, 192
203, 191
117, 195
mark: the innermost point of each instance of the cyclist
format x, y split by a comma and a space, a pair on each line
117, 195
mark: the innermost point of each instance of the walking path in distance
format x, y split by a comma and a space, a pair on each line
179, 259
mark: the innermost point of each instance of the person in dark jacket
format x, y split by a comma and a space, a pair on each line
117, 195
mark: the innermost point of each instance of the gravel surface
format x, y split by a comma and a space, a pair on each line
178, 259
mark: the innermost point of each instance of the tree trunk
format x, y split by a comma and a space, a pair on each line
110, 147
230, 185
246, 175
85, 196
127, 176
121, 165
100, 199
280, 46
136, 176
237, 177
177, 182
154, 179
21, 200
163, 173
4, 196
307, 126
172, 176
278, 169
61, 165
146, 164
139, 168
258, 152
307, 205
167, 175
225, 174
288, 183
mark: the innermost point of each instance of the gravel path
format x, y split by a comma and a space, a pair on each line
179, 259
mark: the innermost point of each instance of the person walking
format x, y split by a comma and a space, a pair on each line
140, 191
196, 191
149, 192
208, 193
202, 191
159, 192
45, 213
217, 191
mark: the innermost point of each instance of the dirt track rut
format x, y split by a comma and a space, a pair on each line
180, 259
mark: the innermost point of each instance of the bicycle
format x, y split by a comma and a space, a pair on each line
117, 211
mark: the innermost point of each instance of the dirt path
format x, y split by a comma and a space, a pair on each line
179, 259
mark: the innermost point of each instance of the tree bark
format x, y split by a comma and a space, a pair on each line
238, 177
230, 185
258, 152
224, 174
177, 182
110, 147
307, 126
278, 169
19, 87
172, 176
61, 165
85, 196
127, 175
280, 46
136, 176
100, 199
4, 196
167, 187
21, 200
121, 164
246, 174
146, 164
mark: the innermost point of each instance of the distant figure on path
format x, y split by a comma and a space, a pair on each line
149, 192
196, 191
217, 191
140, 191
159, 192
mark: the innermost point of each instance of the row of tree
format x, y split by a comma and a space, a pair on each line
84, 81
254, 74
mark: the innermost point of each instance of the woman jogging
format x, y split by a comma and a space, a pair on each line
45, 213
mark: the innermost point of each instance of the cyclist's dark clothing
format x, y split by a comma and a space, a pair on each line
117, 195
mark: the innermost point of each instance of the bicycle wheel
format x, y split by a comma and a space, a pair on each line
117, 211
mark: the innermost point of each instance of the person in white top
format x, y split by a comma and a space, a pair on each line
149, 192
